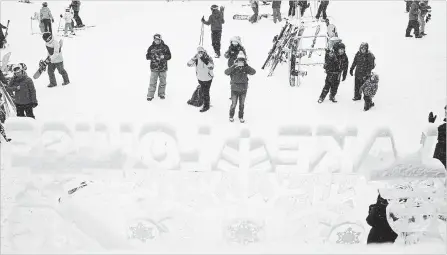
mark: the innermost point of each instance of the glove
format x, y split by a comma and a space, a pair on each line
205, 60
60, 15
34, 105
203, 19
432, 118
222, 8
351, 72
344, 77
52, 20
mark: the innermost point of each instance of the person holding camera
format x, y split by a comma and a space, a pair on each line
239, 72
159, 54
204, 70
22, 87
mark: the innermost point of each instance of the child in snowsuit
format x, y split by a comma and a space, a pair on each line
424, 10
204, 70
369, 89
381, 232
68, 18
46, 17
216, 20
239, 72
440, 145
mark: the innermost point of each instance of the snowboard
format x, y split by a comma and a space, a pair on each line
44, 63
247, 17
5, 61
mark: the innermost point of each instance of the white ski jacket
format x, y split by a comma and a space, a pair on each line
54, 51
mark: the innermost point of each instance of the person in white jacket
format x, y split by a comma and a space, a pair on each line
56, 61
204, 70
68, 18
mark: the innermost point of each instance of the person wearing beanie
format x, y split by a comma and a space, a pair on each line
22, 87
159, 54
440, 145
238, 73
381, 232
56, 60
204, 70
364, 63
46, 17
216, 20
335, 64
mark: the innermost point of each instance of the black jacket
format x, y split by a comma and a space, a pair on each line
153, 54
381, 232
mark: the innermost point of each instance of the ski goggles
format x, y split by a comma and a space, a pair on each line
17, 69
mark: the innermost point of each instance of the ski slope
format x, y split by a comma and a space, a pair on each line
109, 80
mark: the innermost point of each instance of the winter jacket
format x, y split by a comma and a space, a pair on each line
75, 5
363, 63
370, 86
232, 53
25, 93
414, 11
45, 13
204, 67
424, 8
239, 77
153, 54
381, 232
68, 17
216, 20
276, 4
334, 63
54, 51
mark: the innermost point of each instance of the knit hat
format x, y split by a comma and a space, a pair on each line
241, 55
214, 7
364, 45
157, 36
236, 39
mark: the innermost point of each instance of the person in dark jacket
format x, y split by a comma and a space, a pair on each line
159, 54
239, 72
276, 6
2, 36
413, 22
24, 92
364, 63
381, 232
76, 6
336, 65
216, 20
440, 145
322, 9
292, 8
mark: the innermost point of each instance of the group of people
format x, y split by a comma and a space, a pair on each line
419, 13
71, 15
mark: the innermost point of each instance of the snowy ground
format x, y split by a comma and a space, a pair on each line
109, 79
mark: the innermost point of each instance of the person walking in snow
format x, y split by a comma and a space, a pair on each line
322, 9
440, 145
76, 6
413, 22
369, 89
56, 60
22, 87
335, 65
381, 232
159, 54
46, 17
425, 9
364, 63
276, 7
239, 72
68, 18
216, 20
204, 70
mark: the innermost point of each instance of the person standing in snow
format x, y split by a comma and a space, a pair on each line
369, 89
68, 18
239, 72
322, 9
276, 6
425, 8
364, 63
159, 54
381, 232
413, 22
216, 20
292, 8
24, 92
76, 6
440, 145
46, 17
234, 49
56, 60
204, 70
335, 65
2, 36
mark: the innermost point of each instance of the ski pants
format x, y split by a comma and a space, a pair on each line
412, 24
25, 110
408, 5
322, 9
292, 8
331, 84
155, 75
421, 18
205, 92
216, 37
358, 82
60, 68
235, 96
47, 25
277, 15
77, 18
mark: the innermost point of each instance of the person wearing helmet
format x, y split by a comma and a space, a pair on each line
381, 232
322, 9
68, 18
22, 87
335, 64
364, 63
56, 60
216, 20
46, 17
159, 54
238, 73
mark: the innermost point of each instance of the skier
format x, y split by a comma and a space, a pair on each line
408, 5
239, 72
335, 64
276, 6
68, 18
381, 232
322, 9
255, 7
24, 92
76, 6
216, 19
440, 145
2, 36
292, 8
364, 63
159, 54
369, 89
303, 6
425, 8
413, 20
204, 70
46, 17
56, 60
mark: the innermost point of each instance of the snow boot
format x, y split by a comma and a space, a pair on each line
332, 99
65, 83
231, 119
51, 85
320, 100
241, 120
162, 97
204, 109
356, 99
150, 98
408, 36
